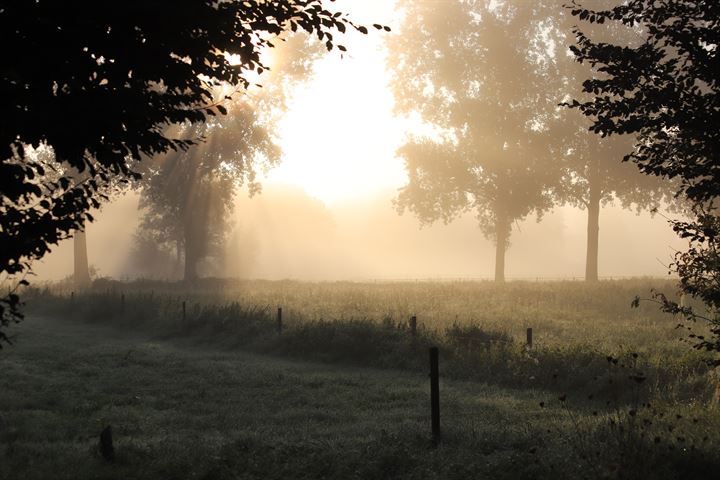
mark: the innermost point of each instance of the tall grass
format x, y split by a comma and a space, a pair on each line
479, 326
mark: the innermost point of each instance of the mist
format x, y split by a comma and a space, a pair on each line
284, 233
360, 239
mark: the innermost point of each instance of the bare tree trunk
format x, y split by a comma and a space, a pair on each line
81, 270
502, 235
593, 225
178, 267
191, 251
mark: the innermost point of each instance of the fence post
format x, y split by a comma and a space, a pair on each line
184, 312
72, 296
279, 321
529, 337
413, 326
122, 303
106, 444
435, 394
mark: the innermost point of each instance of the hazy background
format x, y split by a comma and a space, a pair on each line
326, 212
286, 233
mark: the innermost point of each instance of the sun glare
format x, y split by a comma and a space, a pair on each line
339, 135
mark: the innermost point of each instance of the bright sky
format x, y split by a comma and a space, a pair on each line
339, 135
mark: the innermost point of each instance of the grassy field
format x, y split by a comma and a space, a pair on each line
561, 313
343, 392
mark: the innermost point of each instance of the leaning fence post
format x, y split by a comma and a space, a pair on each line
413, 326
529, 337
279, 321
435, 394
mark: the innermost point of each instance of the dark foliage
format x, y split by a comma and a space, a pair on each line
665, 90
99, 82
699, 272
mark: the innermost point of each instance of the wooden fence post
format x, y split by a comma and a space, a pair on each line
106, 444
529, 337
122, 303
413, 326
435, 394
184, 311
279, 321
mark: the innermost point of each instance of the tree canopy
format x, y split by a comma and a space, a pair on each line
100, 82
480, 75
187, 196
664, 90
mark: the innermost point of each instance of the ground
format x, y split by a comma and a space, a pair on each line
213, 391
179, 411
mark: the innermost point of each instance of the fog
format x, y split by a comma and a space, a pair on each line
342, 144
284, 233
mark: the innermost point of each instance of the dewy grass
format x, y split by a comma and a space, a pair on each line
479, 326
188, 397
183, 410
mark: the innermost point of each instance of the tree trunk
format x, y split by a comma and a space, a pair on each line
178, 267
593, 226
191, 251
502, 235
81, 270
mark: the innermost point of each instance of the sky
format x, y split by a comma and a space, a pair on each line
326, 212
339, 135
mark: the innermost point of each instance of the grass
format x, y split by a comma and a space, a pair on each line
222, 395
194, 412
199, 413
560, 312
479, 326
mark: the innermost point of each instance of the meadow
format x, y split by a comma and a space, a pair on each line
216, 391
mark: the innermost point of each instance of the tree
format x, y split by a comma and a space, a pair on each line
81, 268
593, 172
665, 91
100, 81
479, 72
594, 175
188, 195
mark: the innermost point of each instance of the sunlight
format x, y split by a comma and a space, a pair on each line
336, 149
339, 135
